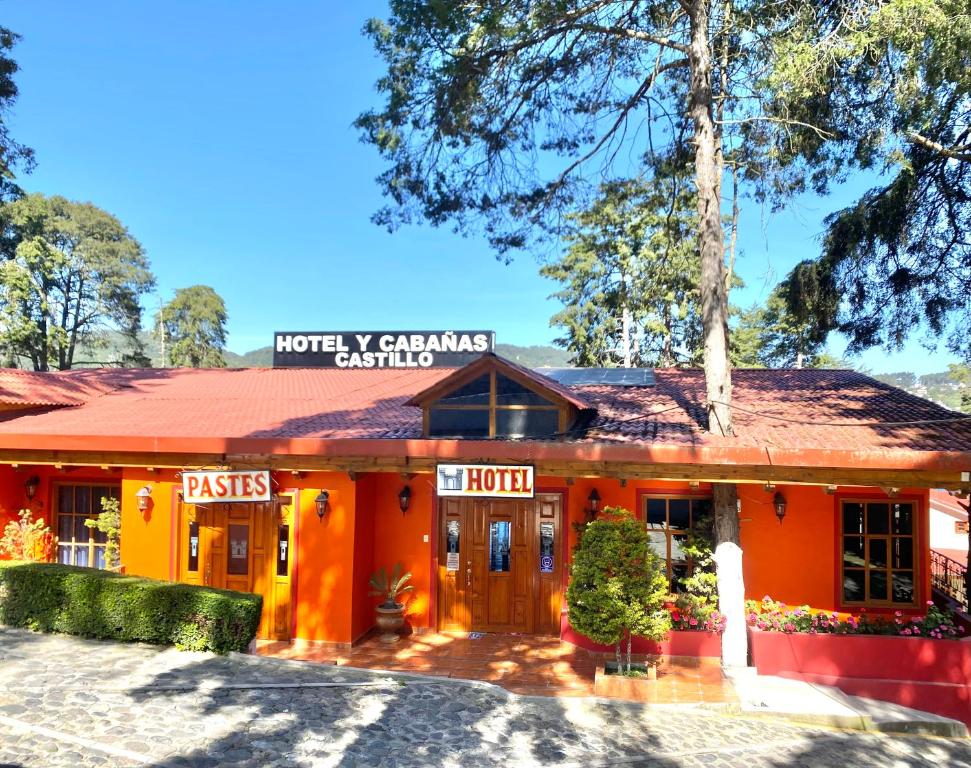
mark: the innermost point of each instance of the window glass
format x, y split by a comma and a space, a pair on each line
878, 553
679, 514
878, 518
667, 520
903, 552
547, 548
903, 518
453, 543
657, 513
476, 392
878, 585
458, 423
903, 587
852, 517
509, 392
853, 550
854, 585
499, 546
527, 423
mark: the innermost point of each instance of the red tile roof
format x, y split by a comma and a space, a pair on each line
775, 410
30, 389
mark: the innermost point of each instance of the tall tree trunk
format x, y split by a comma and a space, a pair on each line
714, 310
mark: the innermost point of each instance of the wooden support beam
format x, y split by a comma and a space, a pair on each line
569, 470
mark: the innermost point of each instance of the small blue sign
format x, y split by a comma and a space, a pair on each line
546, 564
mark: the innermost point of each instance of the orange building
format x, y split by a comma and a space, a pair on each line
474, 478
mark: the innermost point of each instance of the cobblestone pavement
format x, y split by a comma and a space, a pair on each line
70, 702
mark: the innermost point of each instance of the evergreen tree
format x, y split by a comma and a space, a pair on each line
75, 275
193, 325
631, 257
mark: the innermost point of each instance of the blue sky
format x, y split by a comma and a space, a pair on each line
220, 133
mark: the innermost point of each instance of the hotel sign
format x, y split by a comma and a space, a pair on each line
240, 485
485, 480
380, 349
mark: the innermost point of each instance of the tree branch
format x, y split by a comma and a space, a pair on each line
954, 153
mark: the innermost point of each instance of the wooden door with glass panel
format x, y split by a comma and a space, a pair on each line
243, 547
499, 567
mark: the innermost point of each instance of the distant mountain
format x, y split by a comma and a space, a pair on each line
938, 387
530, 357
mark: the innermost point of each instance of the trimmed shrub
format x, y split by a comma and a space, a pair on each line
47, 597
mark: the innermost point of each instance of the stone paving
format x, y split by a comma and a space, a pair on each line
70, 702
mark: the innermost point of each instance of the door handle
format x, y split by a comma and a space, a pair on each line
208, 578
468, 577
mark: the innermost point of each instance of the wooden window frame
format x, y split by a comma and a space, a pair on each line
646, 496
94, 509
493, 407
917, 568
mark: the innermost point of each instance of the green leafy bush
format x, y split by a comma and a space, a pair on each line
617, 585
48, 597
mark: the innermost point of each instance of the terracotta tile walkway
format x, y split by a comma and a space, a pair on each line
522, 664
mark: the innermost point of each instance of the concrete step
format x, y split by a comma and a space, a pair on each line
814, 704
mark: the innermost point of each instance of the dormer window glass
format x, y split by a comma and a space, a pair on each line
493, 405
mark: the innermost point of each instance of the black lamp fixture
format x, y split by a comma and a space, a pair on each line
593, 504
30, 487
321, 503
779, 502
404, 499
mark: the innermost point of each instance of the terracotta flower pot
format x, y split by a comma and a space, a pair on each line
389, 620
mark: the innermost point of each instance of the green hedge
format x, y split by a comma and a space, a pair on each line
91, 603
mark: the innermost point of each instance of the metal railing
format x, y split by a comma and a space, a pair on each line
948, 576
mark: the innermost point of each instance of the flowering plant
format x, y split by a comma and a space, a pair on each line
695, 617
772, 616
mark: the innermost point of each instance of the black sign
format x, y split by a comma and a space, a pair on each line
380, 349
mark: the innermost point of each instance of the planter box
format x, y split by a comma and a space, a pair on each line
620, 687
701, 645
917, 672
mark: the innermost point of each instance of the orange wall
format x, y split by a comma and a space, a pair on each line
363, 614
325, 557
400, 538
148, 538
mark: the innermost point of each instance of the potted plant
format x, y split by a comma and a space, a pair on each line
617, 590
390, 612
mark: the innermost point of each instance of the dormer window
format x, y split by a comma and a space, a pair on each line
492, 398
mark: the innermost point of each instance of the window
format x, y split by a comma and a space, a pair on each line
78, 544
878, 566
493, 405
668, 519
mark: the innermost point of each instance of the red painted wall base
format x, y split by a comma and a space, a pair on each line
696, 644
930, 675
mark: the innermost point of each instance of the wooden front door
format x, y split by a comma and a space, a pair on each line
243, 547
499, 565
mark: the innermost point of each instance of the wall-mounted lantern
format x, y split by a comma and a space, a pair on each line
321, 503
779, 502
404, 499
30, 487
144, 498
593, 505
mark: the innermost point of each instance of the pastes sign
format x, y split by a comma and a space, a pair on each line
508, 482
380, 349
231, 485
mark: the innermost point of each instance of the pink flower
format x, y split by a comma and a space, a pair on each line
898, 613
693, 621
930, 602
905, 631
789, 627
